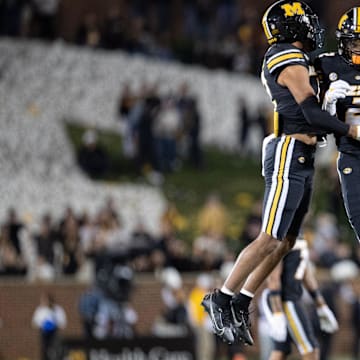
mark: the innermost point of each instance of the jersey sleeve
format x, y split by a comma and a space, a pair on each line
280, 57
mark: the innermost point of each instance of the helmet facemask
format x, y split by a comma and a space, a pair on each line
313, 33
349, 48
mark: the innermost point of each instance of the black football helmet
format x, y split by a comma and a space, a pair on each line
290, 21
348, 35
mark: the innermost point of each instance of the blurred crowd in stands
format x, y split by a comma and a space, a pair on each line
217, 34
77, 244
160, 131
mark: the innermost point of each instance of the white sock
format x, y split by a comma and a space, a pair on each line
227, 291
246, 293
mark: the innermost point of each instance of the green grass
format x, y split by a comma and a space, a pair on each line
236, 180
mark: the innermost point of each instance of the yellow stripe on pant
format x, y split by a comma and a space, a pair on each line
279, 186
305, 347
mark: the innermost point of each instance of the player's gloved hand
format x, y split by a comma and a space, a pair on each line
276, 320
328, 322
278, 326
337, 90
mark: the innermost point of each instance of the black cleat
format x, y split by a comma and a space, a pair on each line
241, 324
220, 318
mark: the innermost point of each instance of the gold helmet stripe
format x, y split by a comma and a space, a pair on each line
266, 25
342, 20
357, 22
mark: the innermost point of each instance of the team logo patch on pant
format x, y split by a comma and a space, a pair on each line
301, 159
347, 170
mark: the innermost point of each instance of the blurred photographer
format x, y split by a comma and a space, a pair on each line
49, 318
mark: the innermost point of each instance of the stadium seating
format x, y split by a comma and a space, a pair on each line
41, 85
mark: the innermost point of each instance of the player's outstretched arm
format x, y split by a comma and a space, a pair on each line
272, 305
296, 79
328, 322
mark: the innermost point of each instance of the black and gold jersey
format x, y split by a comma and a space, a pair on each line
288, 117
294, 267
331, 67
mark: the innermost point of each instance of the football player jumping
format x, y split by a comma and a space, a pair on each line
292, 30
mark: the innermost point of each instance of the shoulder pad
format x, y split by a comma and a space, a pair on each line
283, 55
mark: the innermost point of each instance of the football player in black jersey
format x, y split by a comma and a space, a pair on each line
288, 320
340, 74
292, 30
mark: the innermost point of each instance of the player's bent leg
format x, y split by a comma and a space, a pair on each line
217, 304
349, 174
263, 270
249, 258
240, 312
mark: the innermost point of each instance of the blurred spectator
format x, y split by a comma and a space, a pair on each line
114, 32
144, 131
127, 102
45, 239
249, 123
173, 320
12, 13
326, 238
43, 271
14, 226
92, 157
192, 129
205, 340
88, 307
140, 237
210, 249
244, 126
262, 120
49, 318
172, 220
44, 14
70, 242
138, 38
166, 129
252, 225
105, 310
87, 233
11, 262
114, 320
213, 217
89, 32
